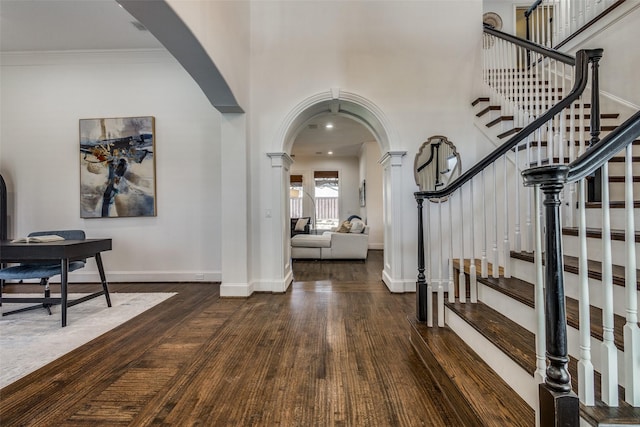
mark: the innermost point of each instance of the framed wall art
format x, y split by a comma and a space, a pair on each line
363, 194
117, 167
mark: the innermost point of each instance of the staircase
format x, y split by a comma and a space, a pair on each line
476, 330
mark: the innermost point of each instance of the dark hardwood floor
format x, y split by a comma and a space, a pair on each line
332, 351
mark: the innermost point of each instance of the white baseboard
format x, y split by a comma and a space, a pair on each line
398, 286
237, 290
141, 276
275, 286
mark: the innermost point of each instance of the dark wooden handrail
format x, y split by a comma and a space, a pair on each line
534, 47
533, 7
581, 76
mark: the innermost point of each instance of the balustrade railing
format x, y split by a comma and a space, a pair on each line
551, 23
556, 129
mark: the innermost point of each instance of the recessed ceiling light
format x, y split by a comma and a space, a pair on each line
329, 152
329, 125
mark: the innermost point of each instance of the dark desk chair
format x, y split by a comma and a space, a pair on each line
42, 271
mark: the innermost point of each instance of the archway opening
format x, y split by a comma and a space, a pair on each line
355, 161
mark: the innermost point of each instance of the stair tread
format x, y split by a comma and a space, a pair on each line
613, 204
515, 288
520, 347
524, 292
596, 233
479, 100
487, 109
503, 332
455, 365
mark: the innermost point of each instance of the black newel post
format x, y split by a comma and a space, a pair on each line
594, 185
559, 406
421, 284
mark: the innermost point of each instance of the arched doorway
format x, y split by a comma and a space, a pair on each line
369, 115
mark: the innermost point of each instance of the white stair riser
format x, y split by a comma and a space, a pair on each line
618, 169
617, 216
526, 271
524, 316
616, 191
571, 246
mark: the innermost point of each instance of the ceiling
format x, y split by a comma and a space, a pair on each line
45, 25
63, 25
345, 138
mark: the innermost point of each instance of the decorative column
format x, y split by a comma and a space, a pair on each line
235, 216
392, 192
278, 215
559, 406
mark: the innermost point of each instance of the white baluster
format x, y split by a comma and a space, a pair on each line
541, 348
440, 278
462, 281
428, 266
586, 391
517, 239
631, 331
506, 245
609, 350
484, 268
496, 254
472, 267
529, 194
450, 287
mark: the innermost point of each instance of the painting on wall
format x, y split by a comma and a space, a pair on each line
363, 194
117, 167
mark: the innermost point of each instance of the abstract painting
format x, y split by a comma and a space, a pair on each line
117, 167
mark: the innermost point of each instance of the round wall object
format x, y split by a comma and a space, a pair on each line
492, 19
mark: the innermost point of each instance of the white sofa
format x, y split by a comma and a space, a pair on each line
330, 245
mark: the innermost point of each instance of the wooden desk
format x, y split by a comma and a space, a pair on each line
63, 251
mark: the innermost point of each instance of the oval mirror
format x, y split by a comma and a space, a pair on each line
436, 164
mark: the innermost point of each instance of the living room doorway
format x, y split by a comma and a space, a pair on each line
389, 159
335, 178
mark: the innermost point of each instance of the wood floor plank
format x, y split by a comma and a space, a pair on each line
333, 350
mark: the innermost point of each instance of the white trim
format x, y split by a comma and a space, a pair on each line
398, 286
110, 56
240, 290
141, 277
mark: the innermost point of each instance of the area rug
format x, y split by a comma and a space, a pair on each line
31, 339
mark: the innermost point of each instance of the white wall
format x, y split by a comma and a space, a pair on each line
371, 172
223, 30
42, 98
410, 59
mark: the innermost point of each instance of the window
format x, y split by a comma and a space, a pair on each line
326, 195
295, 196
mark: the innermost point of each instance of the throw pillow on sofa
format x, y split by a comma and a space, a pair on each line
301, 224
345, 227
357, 226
